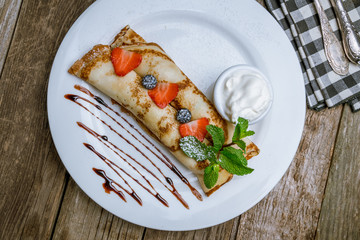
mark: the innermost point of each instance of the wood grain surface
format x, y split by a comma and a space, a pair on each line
340, 213
32, 175
318, 197
8, 15
82, 218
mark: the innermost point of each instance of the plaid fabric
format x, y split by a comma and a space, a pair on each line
324, 88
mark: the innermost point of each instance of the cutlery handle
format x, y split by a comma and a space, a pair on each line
333, 49
351, 39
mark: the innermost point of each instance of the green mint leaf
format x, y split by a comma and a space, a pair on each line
233, 167
236, 135
211, 174
246, 134
243, 123
193, 148
231, 162
211, 154
241, 129
241, 144
235, 154
217, 135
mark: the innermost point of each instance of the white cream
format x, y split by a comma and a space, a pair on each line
245, 93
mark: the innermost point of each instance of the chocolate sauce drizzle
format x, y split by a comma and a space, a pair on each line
113, 165
103, 138
157, 195
75, 98
168, 163
108, 185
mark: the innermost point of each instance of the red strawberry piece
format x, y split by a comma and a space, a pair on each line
124, 61
196, 128
163, 93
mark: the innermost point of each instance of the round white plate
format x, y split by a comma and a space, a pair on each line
203, 37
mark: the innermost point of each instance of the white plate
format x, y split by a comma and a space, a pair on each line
203, 37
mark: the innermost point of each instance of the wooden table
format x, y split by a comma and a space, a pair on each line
318, 197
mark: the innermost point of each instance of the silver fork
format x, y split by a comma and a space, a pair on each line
351, 38
333, 49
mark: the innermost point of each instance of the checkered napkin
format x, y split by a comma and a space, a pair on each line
324, 88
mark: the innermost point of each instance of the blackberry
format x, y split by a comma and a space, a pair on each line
183, 115
149, 81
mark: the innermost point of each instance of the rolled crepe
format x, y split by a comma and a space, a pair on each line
96, 68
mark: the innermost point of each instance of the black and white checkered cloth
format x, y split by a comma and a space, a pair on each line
299, 19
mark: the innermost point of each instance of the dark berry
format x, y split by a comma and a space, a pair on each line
183, 115
149, 81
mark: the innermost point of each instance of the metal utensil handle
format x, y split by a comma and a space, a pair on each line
333, 49
351, 38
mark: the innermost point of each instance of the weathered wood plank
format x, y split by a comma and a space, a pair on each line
33, 177
340, 211
9, 10
292, 209
81, 218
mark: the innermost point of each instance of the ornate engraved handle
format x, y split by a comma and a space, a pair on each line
333, 49
351, 38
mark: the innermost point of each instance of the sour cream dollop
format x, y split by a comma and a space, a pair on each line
242, 91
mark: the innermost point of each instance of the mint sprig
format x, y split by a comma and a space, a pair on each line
193, 148
233, 161
211, 174
229, 158
217, 135
236, 154
241, 129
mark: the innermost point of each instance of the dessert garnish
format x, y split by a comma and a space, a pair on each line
196, 128
183, 115
163, 93
124, 61
219, 155
149, 81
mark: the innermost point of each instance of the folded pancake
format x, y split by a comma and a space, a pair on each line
96, 68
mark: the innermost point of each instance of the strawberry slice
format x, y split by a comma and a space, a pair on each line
196, 128
124, 61
163, 93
